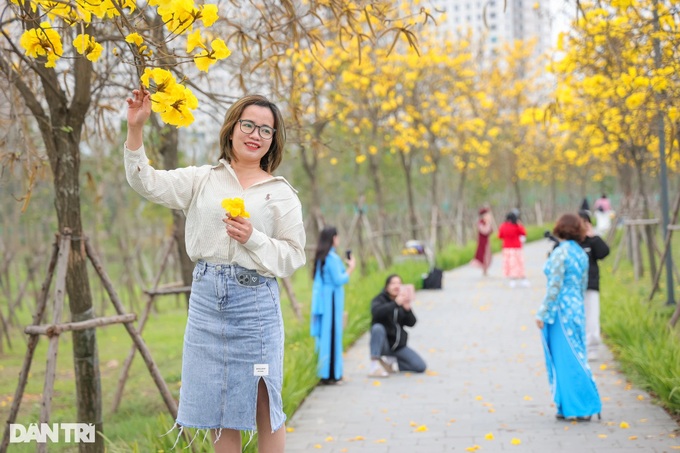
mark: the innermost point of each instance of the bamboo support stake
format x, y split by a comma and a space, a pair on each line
637, 265
641, 222
59, 295
4, 329
166, 291
675, 317
623, 244
142, 323
139, 342
52, 330
30, 348
373, 244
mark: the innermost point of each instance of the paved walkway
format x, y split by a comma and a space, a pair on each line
486, 387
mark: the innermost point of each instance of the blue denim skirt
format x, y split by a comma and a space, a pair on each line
234, 337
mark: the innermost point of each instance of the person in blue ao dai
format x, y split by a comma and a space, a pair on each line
561, 319
328, 305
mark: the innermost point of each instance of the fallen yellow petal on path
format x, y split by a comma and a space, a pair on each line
624, 425
377, 383
357, 438
515, 441
329, 439
317, 446
421, 428
381, 441
603, 366
289, 429
489, 436
641, 397
602, 436
473, 448
632, 438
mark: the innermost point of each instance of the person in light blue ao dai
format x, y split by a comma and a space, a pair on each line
561, 319
328, 305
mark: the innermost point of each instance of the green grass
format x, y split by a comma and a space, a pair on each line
638, 332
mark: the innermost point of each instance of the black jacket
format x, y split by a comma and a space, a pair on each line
596, 249
385, 311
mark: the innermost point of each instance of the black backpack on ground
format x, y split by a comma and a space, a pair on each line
433, 279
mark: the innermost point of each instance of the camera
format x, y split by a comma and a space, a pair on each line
549, 235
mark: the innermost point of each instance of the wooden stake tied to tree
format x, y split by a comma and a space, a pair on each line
60, 258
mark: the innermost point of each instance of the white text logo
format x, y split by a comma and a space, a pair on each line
56, 432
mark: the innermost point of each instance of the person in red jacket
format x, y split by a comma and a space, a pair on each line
513, 235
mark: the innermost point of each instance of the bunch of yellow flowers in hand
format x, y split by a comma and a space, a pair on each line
235, 207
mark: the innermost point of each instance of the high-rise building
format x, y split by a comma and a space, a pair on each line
495, 22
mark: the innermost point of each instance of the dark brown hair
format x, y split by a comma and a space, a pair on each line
272, 159
323, 247
570, 226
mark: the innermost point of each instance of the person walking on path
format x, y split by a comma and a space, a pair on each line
603, 214
232, 358
513, 235
391, 310
484, 229
328, 305
597, 250
602, 204
561, 318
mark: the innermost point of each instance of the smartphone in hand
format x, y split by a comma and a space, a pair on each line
348, 254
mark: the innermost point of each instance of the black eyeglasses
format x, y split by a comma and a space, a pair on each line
247, 127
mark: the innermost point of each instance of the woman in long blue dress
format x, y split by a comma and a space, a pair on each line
328, 305
561, 319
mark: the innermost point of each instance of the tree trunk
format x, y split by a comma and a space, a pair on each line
169, 143
518, 194
553, 199
61, 130
649, 235
374, 166
65, 163
437, 238
460, 207
310, 164
376, 178
413, 219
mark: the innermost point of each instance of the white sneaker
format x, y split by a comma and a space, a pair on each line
513, 283
376, 369
525, 283
390, 363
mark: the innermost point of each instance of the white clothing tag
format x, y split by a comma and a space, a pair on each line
261, 369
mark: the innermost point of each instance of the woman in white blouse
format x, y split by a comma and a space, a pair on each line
232, 361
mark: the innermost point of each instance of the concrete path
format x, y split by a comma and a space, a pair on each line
485, 389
